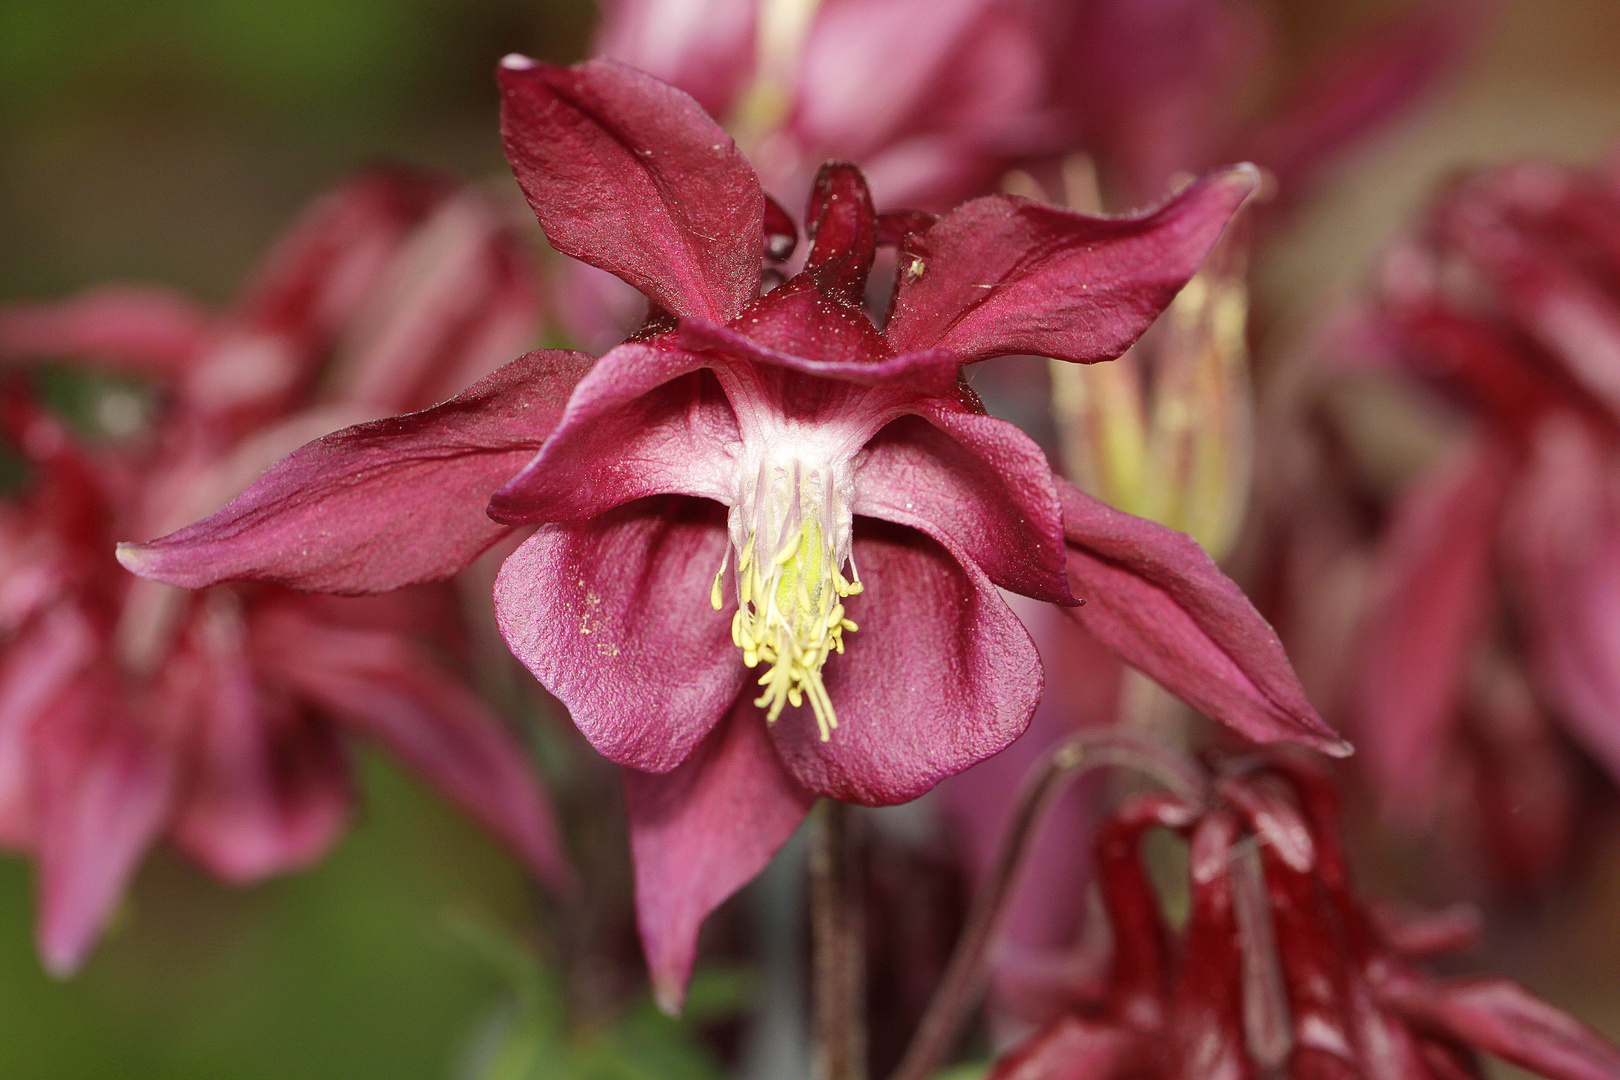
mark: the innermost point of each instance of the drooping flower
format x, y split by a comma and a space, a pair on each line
129, 709
771, 534
1491, 624
1280, 968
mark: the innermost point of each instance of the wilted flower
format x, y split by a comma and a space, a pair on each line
130, 709
1280, 969
771, 484
1496, 583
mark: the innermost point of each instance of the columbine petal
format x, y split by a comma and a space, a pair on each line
105, 791
1071, 1049
932, 371
1003, 275
613, 616
345, 514
936, 644
389, 689
1153, 596
1431, 580
628, 174
36, 670
155, 331
699, 833
980, 481
645, 421
269, 790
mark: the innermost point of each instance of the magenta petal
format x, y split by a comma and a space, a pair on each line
646, 420
153, 331
346, 513
1003, 275
699, 833
105, 788
1431, 581
388, 688
613, 617
1071, 1049
1156, 599
980, 481
37, 669
930, 371
1500, 1017
628, 174
706, 48
940, 675
843, 226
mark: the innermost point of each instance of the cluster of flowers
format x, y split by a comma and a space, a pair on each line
761, 549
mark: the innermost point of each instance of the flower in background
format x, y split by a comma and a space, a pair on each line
1496, 588
1279, 968
130, 709
772, 534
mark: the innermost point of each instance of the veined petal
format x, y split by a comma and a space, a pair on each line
628, 174
387, 687
345, 513
979, 480
106, 789
645, 421
1431, 579
1157, 599
1003, 275
940, 675
701, 832
613, 616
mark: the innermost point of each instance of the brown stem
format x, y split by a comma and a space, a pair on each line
838, 931
963, 981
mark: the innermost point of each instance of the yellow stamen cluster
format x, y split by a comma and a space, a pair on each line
790, 612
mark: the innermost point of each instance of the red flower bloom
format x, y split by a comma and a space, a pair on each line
130, 709
751, 477
1279, 969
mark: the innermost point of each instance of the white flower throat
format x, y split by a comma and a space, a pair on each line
790, 526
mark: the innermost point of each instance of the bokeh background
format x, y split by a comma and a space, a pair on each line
168, 140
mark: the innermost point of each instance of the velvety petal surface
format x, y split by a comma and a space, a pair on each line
348, 512
940, 675
1155, 598
1003, 275
979, 480
612, 615
646, 420
387, 687
699, 833
1432, 578
628, 174
106, 789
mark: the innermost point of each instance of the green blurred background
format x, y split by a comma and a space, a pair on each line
169, 140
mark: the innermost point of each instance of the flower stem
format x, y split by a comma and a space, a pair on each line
838, 1011
963, 982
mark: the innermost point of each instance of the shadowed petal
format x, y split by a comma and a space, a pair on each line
613, 617
644, 421
1070, 1049
1003, 275
843, 226
1432, 578
702, 831
1500, 1017
940, 675
153, 331
628, 174
106, 788
1157, 599
929, 371
388, 688
270, 788
978, 480
348, 513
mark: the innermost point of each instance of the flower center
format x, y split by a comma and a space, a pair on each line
790, 527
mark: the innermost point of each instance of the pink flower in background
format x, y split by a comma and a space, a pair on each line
1497, 597
771, 534
130, 709
1280, 969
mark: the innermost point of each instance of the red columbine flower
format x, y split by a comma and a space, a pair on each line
771, 534
1506, 300
129, 709
1280, 968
